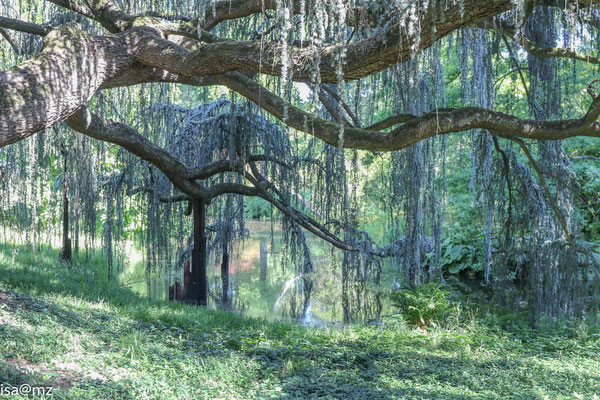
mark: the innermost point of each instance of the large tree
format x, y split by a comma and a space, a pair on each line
56, 84
324, 44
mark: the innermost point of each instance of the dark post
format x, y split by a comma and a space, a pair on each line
65, 252
225, 274
199, 285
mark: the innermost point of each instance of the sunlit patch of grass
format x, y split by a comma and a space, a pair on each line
71, 327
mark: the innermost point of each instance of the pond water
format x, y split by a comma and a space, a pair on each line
261, 287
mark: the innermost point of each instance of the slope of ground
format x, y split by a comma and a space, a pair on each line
70, 328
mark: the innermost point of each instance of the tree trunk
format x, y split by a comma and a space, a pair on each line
65, 252
198, 288
225, 275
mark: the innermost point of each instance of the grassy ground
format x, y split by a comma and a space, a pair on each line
70, 328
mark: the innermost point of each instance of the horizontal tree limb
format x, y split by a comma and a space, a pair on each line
74, 65
441, 121
23, 26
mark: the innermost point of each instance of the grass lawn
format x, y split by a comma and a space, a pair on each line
70, 328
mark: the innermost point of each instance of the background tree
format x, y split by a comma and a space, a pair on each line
381, 77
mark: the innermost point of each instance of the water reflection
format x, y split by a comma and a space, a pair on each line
260, 286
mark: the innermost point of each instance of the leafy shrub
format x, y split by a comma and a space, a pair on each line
424, 306
460, 253
458, 256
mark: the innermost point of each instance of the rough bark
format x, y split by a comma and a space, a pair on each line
395, 44
198, 290
62, 78
74, 65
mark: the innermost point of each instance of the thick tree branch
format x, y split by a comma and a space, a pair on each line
390, 121
441, 121
333, 93
125, 136
10, 41
74, 65
64, 76
398, 42
215, 167
235, 188
163, 199
75, 5
115, 20
23, 26
332, 108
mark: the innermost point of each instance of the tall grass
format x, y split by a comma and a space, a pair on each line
71, 327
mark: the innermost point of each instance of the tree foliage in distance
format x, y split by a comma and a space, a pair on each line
312, 89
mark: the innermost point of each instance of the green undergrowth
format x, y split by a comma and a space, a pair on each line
71, 328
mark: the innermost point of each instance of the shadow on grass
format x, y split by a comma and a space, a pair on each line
63, 387
302, 363
359, 369
45, 275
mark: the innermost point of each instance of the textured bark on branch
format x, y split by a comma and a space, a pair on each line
396, 43
71, 68
75, 65
441, 121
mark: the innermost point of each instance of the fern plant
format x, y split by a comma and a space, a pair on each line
424, 306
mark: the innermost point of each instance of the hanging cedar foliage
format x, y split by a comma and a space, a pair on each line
336, 114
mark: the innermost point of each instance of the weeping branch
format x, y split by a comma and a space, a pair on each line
508, 29
506, 170
559, 216
85, 122
589, 119
55, 84
540, 174
184, 178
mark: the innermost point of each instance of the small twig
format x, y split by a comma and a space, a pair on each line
590, 88
585, 158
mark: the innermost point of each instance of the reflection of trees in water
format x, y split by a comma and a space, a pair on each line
263, 260
281, 292
250, 295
